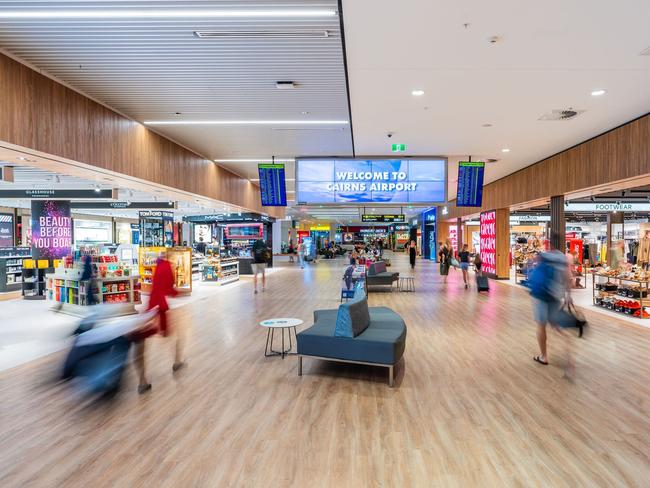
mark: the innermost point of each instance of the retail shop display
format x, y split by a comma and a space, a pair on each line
622, 291
11, 267
156, 228
33, 278
181, 262
222, 270
113, 282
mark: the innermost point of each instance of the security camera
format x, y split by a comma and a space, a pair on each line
390, 134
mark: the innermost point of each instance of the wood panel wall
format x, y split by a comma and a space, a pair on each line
41, 114
620, 154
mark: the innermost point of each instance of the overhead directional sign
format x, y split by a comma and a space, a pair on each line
382, 218
52, 194
124, 205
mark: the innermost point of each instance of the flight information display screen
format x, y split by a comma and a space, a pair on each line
272, 185
470, 184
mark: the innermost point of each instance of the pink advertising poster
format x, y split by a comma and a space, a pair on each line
489, 242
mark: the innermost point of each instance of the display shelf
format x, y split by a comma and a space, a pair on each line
612, 299
70, 293
11, 267
221, 271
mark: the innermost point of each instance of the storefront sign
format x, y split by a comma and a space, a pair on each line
380, 181
382, 218
160, 214
607, 207
322, 228
32, 194
123, 205
489, 241
401, 227
516, 219
6, 230
51, 229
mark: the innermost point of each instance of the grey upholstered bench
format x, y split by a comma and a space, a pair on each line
380, 343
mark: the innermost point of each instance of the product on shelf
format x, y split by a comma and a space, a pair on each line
180, 259
113, 282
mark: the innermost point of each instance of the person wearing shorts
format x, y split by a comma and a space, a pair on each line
259, 262
463, 257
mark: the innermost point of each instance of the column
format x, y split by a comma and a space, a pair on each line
459, 234
502, 227
557, 226
276, 240
615, 225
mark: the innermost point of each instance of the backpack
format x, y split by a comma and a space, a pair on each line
540, 280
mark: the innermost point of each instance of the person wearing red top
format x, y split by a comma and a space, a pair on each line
162, 287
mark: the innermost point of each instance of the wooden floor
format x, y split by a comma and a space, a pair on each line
470, 407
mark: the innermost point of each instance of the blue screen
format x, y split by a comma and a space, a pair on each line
272, 185
371, 181
470, 184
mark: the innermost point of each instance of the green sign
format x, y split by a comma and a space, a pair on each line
398, 147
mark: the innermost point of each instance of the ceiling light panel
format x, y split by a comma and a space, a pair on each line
152, 13
246, 122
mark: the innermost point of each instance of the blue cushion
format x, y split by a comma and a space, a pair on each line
352, 318
383, 342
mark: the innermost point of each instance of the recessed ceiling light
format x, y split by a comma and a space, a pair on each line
305, 112
417, 93
597, 93
246, 122
505, 150
101, 13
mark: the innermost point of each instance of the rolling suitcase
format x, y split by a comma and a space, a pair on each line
482, 283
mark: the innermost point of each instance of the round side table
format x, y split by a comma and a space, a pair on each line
282, 324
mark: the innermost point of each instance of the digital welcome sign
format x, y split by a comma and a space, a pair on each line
371, 180
51, 229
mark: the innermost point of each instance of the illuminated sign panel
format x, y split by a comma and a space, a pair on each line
371, 181
488, 233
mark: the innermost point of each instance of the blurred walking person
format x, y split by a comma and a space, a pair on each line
162, 286
444, 256
463, 257
412, 250
550, 287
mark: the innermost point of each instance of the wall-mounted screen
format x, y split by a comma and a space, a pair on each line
272, 185
470, 184
334, 180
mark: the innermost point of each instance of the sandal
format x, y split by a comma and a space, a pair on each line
539, 360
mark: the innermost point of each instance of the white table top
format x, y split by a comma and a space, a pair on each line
281, 323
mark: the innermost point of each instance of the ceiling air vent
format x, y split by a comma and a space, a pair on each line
645, 52
491, 160
285, 85
265, 34
566, 114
